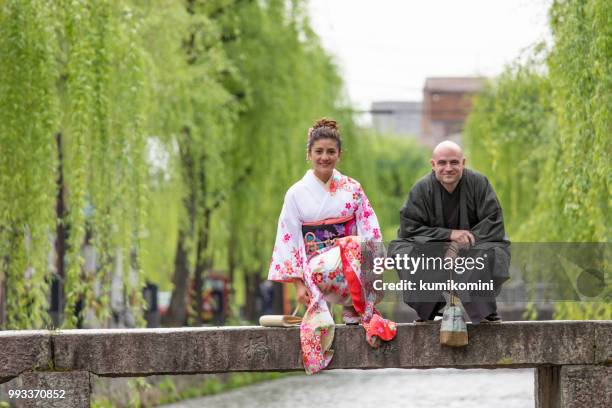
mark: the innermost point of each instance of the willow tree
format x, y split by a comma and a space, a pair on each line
204, 116
73, 102
508, 136
579, 176
107, 100
28, 121
581, 78
556, 126
288, 81
397, 162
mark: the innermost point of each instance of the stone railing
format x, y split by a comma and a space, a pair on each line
572, 358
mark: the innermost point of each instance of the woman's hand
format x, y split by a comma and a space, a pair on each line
301, 292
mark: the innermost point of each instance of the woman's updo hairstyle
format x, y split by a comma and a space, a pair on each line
324, 129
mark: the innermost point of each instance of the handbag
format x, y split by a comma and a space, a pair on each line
281, 320
453, 330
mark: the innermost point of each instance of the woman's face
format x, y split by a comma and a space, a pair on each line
324, 155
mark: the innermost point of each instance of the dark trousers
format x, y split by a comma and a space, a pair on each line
476, 310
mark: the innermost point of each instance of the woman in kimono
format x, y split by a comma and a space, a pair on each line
325, 223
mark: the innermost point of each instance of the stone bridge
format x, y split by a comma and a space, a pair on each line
571, 358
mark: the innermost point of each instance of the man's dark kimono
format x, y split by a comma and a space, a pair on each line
422, 221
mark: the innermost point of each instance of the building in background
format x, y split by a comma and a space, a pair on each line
400, 118
446, 104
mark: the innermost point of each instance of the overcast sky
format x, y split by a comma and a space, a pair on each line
386, 48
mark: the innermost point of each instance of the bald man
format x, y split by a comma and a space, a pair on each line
453, 213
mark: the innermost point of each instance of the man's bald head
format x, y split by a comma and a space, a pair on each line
447, 148
447, 162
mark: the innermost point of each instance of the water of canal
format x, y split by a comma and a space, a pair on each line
439, 388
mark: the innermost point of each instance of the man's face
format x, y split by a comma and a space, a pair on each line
448, 165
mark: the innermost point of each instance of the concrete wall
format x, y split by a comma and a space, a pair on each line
572, 357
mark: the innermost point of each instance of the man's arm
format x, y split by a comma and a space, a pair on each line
414, 221
490, 227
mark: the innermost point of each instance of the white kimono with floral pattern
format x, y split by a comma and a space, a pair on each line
333, 274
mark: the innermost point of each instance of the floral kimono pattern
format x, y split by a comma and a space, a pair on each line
332, 273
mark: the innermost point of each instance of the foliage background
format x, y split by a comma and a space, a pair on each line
159, 138
542, 131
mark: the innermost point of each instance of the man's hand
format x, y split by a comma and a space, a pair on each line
301, 292
464, 238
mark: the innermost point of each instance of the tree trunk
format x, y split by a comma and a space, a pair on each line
61, 238
203, 263
2, 302
231, 266
177, 313
251, 283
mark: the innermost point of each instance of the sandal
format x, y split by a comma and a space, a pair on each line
421, 321
492, 318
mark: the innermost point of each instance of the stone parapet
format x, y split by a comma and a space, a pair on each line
572, 358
